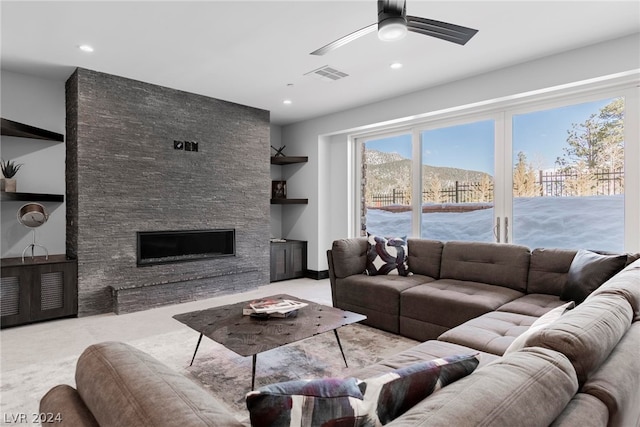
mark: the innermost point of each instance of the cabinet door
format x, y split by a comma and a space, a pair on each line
298, 259
54, 293
15, 291
279, 258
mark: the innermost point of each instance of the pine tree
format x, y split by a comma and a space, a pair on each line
524, 178
597, 143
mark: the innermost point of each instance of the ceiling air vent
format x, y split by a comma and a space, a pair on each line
327, 73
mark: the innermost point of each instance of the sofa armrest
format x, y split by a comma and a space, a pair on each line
63, 407
349, 256
346, 258
332, 277
123, 386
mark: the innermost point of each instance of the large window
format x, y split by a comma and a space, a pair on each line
457, 182
387, 185
545, 175
568, 176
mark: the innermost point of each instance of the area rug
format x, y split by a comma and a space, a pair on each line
227, 376
221, 372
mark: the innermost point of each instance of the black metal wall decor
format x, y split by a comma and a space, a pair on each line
278, 151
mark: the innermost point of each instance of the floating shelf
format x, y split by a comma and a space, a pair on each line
31, 197
288, 160
11, 128
289, 201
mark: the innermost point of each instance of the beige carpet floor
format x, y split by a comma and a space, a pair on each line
224, 374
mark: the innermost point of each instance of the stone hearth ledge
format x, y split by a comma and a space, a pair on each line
132, 298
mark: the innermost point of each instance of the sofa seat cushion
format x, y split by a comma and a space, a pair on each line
380, 293
434, 302
541, 322
427, 350
532, 304
492, 332
526, 388
123, 386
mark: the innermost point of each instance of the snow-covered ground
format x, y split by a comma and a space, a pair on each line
595, 222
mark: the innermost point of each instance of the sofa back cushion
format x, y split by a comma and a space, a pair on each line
617, 381
123, 386
425, 257
349, 256
588, 271
627, 284
588, 333
528, 387
492, 263
548, 270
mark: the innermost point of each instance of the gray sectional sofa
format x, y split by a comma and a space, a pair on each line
581, 369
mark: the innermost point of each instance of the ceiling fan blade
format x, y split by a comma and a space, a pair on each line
442, 30
346, 39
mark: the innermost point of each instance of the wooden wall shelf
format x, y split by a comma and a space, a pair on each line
31, 197
11, 128
288, 160
289, 201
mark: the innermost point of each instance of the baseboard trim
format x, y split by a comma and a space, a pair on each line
317, 275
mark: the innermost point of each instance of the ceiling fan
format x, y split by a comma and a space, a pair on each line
393, 24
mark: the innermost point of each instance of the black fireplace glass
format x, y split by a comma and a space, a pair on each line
162, 247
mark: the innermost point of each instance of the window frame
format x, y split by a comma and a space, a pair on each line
502, 111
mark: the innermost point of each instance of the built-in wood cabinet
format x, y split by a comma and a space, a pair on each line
288, 260
38, 289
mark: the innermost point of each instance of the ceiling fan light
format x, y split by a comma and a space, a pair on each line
392, 29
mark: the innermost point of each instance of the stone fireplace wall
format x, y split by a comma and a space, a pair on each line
123, 175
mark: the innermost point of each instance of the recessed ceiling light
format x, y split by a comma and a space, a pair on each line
85, 48
396, 66
287, 102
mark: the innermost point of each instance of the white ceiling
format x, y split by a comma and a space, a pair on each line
249, 52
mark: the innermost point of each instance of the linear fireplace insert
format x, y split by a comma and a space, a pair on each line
163, 247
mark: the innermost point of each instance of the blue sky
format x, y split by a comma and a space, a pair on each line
540, 135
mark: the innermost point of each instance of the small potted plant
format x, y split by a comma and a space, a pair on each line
9, 170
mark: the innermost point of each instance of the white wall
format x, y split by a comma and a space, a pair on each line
325, 139
41, 103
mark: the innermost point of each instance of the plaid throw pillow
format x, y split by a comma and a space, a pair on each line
392, 394
326, 402
386, 256
350, 402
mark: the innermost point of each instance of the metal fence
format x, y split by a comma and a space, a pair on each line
555, 184
599, 183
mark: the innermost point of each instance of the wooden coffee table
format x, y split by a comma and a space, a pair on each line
248, 336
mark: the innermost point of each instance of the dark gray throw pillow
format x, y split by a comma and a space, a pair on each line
587, 272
